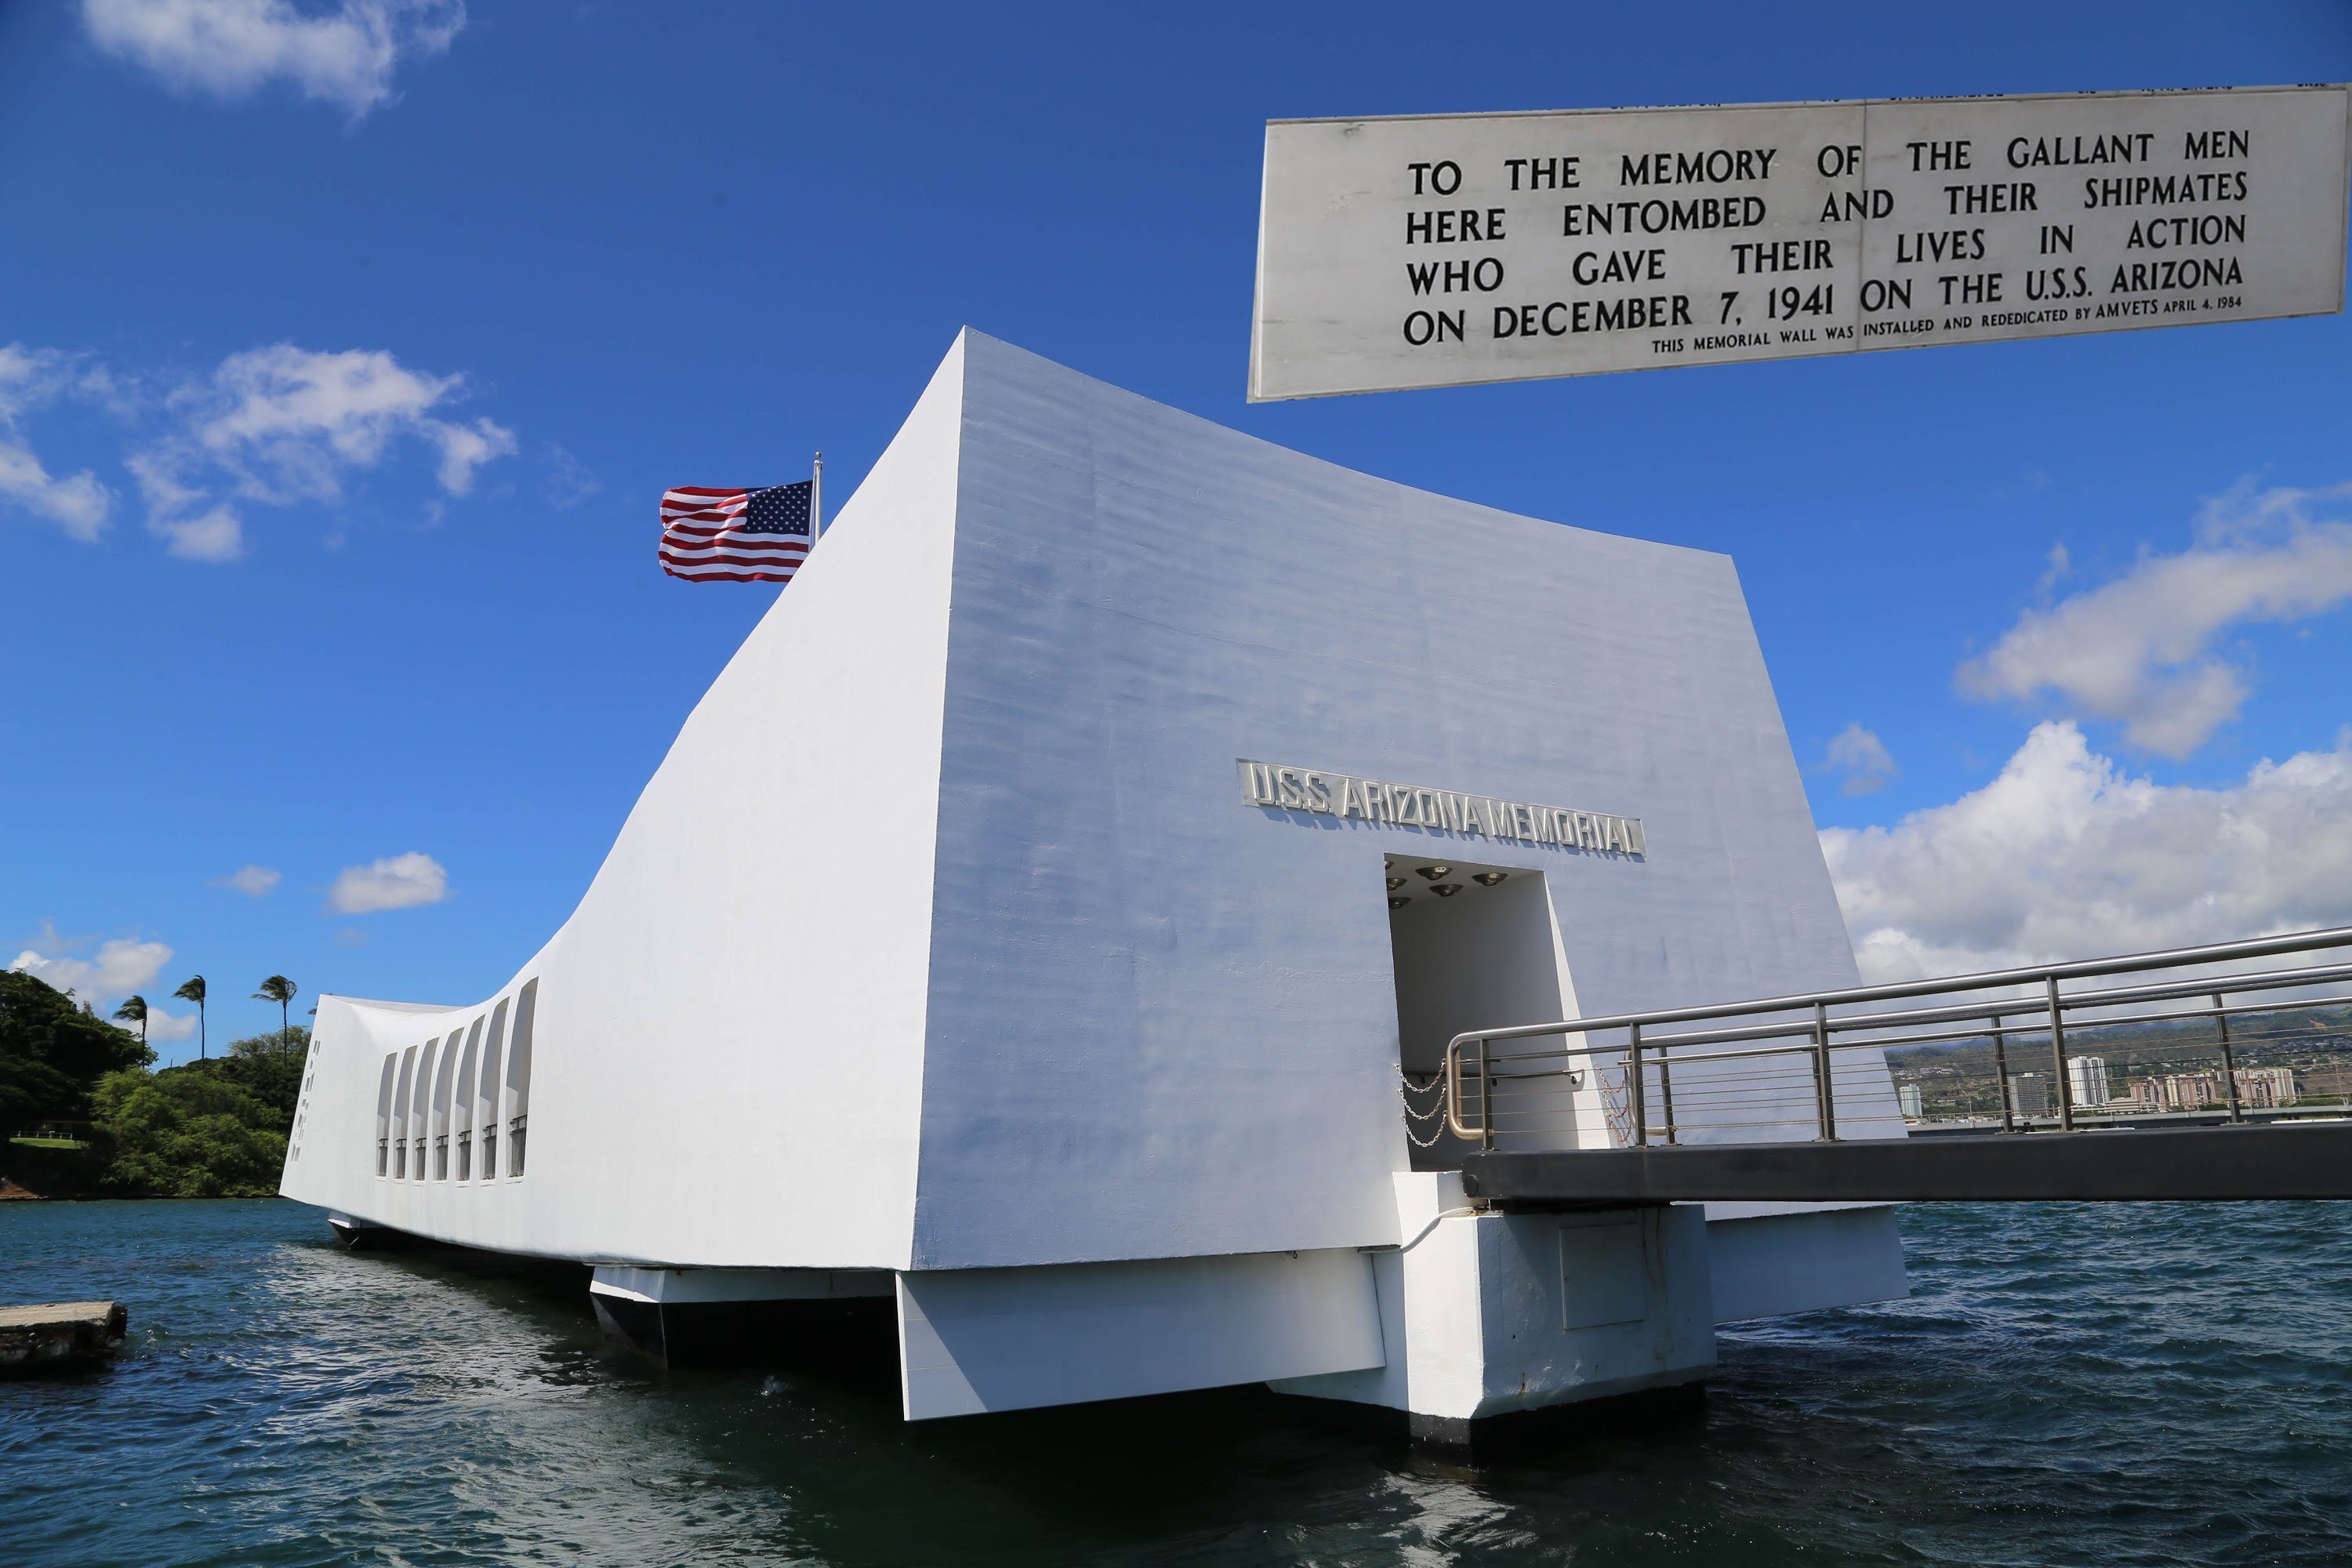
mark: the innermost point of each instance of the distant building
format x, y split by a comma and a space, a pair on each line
2269, 1087
1908, 1096
2029, 1094
2087, 1078
2192, 1091
2148, 1093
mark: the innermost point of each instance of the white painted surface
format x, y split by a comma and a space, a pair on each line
1484, 1313
1805, 1260
727, 1053
1011, 1339
1174, 1012
1080, 1004
1484, 957
686, 1286
1840, 202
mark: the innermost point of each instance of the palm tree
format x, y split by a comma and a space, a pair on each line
280, 990
193, 991
134, 1011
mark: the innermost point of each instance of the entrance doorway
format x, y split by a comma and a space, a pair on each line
1472, 947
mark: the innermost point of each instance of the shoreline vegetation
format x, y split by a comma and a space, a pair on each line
84, 1114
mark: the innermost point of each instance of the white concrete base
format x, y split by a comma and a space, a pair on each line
1487, 1314
971, 1340
683, 1286
1770, 1265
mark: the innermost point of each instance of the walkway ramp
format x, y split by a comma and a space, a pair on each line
2095, 1080
2280, 1160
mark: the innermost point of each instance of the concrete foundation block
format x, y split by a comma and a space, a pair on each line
1485, 1314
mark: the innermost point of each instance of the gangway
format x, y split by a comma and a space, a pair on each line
2010, 1076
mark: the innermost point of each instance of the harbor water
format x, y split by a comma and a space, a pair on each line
2119, 1385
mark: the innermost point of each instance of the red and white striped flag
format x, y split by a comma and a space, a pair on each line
736, 535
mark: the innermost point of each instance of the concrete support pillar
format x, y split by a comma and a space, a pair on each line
1485, 1314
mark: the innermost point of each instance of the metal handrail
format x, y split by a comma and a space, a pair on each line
2047, 1013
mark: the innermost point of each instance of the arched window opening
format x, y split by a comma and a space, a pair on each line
399, 1112
384, 1113
462, 1103
490, 1081
518, 1077
420, 1107
442, 1087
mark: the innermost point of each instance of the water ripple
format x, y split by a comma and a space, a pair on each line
2123, 1384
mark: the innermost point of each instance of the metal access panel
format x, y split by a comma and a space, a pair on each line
1442, 251
1604, 1272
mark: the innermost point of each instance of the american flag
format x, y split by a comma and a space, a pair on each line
735, 536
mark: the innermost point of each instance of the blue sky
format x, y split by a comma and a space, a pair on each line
354, 343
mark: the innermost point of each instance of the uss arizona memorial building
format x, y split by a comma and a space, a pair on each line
1156, 797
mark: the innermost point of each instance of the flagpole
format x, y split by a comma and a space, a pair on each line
816, 500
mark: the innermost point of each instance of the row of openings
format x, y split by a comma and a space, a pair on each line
440, 1103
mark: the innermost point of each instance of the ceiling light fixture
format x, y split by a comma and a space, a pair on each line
1394, 883
1446, 890
1399, 903
1487, 879
1434, 872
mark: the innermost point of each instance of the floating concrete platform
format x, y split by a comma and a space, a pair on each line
64, 1336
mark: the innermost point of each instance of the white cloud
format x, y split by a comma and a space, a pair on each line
217, 536
251, 881
569, 482
30, 378
75, 502
2141, 649
399, 882
2065, 855
1862, 757
234, 48
162, 1026
465, 448
277, 425
282, 425
291, 421
117, 969
2056, 570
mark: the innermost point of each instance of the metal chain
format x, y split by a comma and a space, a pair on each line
1435, 1113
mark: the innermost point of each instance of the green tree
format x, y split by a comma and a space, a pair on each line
134, 1011
189, 1132
280, 990
192, 990
267, 1067
294, 1040
52, 1052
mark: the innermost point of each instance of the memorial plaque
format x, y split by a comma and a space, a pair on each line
1445, 250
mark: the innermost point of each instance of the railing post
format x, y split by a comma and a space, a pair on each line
1640, 1092
1824, 1087
2000, 1075
2058, 1057
1666, 1089
2229, 1062
1485, 1097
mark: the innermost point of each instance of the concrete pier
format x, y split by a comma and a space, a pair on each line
64, 1336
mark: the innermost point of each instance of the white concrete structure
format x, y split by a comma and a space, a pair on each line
943, 958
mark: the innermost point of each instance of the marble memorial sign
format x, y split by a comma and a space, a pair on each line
1444, 250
